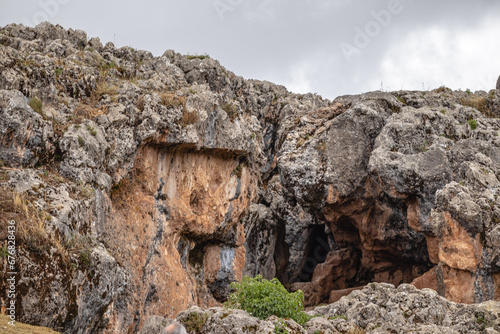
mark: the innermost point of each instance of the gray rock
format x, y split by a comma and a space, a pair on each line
325, 195
155, 325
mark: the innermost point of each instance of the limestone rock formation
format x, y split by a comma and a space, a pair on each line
142, 186
378, 308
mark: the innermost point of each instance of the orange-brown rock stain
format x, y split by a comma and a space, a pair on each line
457, 248
172, 193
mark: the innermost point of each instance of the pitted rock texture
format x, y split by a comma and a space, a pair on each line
145, 185
377, 308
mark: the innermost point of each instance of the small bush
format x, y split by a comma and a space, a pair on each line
92, 131
36, 105
401, 99
262, 298
473, 124
203, 56
195, 322
230, 110
3, 251
189, 118
85, 259
477, 102
83, 111
280, 327
81, 142
104, 88
423, 147
172, 100
104, 65
442, 89
238, 171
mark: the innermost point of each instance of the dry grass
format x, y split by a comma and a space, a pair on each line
20, 328
3, 104
37, 105
189, 118
477, 102
140, 103
31, 225
84, 111
442, 89
105, 88
170, 99
31, 229
59, 128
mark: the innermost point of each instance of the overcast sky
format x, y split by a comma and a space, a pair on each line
329, 47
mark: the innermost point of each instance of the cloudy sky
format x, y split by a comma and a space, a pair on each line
329, 47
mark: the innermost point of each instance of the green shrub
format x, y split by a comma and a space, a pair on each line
196, 56
423, 147
472, 123
280, 327
36, 105
195, 322
85, 259
4, 252
92, 131
442, 89
238, 171
262, 298
231, 110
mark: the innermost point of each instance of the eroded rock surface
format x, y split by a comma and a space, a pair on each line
377, 308
145, 185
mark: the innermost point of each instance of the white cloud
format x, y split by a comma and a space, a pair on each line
457, 58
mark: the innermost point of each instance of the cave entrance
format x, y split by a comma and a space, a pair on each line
346, 234
316, 251
281, 253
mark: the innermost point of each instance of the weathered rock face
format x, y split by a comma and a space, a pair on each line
378, 308
144, 185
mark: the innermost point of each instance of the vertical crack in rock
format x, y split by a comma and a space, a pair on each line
183, 247
161, 216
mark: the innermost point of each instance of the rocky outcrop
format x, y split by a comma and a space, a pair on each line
378, 308
143, 186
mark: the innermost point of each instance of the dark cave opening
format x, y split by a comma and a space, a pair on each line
281, 253
346, 234
316, 251
196, 256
